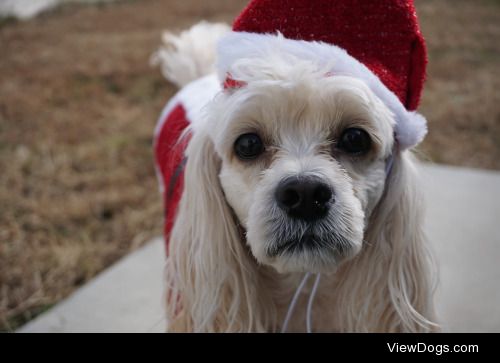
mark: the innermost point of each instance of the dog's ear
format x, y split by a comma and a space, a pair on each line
389, 286
211, 277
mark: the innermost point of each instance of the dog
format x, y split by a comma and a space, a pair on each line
289, 170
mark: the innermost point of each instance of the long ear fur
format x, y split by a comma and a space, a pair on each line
388, 287
212, 280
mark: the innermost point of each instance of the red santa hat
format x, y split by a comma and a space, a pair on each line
378, 42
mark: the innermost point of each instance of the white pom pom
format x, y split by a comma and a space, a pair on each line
411, 130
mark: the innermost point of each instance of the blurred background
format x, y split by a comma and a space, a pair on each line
79, 102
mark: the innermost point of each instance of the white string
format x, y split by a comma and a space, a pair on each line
294, 302
388, 164
388, 168
310, 303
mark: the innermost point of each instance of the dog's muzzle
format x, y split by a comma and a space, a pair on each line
306, 203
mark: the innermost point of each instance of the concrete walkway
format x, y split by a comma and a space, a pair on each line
125, 298
463, 224
27, 9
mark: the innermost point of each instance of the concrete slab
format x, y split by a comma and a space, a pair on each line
463, 224
127, 297
27, 9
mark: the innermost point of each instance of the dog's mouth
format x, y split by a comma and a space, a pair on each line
309, 242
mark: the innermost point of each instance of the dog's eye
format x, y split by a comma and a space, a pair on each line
248, 146
354, 141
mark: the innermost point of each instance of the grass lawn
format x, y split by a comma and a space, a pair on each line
79, 102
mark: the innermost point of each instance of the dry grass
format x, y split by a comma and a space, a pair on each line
461, 99
78, 103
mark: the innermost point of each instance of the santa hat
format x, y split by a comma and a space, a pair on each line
378, 42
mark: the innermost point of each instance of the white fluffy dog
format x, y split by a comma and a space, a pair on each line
290, 172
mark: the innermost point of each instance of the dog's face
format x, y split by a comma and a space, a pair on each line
303, 167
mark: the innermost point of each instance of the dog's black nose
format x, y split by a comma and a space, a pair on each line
305, 198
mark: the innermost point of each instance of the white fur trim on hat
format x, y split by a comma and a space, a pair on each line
410, 128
